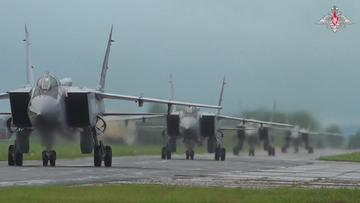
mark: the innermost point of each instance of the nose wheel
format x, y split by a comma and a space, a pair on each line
49, 156
190, 154
310, 150
220, 153
251, 152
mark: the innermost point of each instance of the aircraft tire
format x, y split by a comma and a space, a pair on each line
97, 156
163, 153
52, 158
251, 152
11, 161
283, 149
108, 156
217, 154
187, 154
236, 151
45, 159
168, 154
18, 158
192, 154
310, 150
223, 154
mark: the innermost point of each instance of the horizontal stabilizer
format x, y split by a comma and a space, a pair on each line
5, 113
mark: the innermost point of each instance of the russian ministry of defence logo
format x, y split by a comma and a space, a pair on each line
334, 20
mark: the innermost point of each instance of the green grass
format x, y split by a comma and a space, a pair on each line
168, 194
355, 157
69, 151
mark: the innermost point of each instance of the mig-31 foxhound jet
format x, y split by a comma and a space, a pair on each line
193, 126
52, 105
298, 134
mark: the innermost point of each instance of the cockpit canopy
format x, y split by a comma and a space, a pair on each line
47, 82
190, 111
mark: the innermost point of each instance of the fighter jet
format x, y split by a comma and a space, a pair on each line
193, 126
54, 105
298, 134
254, 133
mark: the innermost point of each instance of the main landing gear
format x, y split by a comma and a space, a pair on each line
165, 152
15, 158
271, 151
101, 153
220, 153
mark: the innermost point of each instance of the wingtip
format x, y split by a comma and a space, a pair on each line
26, 31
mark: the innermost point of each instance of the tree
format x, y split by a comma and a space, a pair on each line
334, 141
158, 108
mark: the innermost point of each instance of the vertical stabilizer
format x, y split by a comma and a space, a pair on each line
221, 94
29, 71
101, 84
173, 108
273, 112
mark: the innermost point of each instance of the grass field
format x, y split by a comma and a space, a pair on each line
169, 194
69, 151
355, 157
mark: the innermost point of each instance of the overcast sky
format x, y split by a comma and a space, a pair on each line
267, 49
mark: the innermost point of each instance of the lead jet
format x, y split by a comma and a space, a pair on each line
53, 105
193, 126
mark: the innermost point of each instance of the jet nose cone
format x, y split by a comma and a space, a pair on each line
44, 111
189, 123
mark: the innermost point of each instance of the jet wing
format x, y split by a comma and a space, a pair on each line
323, 133
310, 132
132, 114
253, 121
152, 127
4, 96
152, 100
235, 128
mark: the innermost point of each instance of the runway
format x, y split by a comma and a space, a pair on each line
235, 171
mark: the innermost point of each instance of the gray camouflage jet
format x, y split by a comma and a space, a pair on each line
254, 133
193, 126
297, 134
55, 106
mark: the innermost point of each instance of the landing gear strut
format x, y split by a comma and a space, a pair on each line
220, 153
